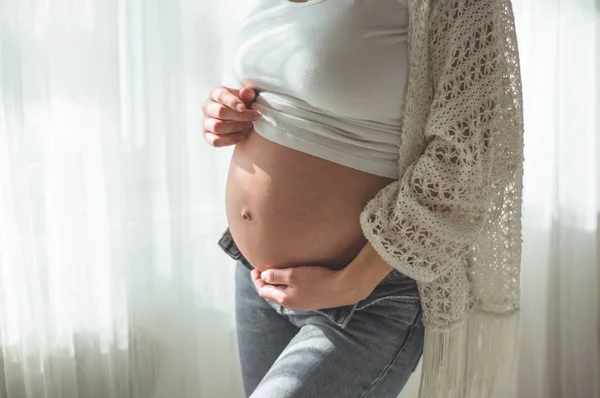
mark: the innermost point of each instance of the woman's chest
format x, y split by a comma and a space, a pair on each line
349, 58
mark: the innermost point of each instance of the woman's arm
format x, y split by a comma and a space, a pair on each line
359, 278
425, 223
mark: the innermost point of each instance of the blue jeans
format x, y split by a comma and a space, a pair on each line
364, 350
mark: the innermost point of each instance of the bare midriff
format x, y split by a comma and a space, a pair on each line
286, 208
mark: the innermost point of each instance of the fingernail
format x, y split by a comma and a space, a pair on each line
239, 107
256, 116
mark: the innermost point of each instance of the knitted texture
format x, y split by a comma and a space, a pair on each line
453, 219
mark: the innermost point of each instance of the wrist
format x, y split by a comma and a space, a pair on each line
359, 278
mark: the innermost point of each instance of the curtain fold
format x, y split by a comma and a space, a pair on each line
111, 283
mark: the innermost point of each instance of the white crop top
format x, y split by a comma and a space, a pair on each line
331, 77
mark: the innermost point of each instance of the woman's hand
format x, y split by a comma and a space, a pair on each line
303, 288
227, 119
313, 287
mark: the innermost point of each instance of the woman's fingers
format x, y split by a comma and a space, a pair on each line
227, 120
219, 111
267, 291
277, 276
219, 126
225, 96
247, 94
218, 141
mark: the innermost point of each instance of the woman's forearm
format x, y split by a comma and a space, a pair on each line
363, 274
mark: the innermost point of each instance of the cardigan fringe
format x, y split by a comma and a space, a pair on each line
477, 358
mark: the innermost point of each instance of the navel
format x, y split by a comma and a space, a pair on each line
246, 214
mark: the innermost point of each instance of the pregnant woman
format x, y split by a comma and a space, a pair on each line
373, 196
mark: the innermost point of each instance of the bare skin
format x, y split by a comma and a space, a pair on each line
294, 214
286, 208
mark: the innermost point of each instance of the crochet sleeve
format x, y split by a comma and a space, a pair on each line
424, 223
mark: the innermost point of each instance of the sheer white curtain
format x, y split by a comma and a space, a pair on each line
561, 72
111, 284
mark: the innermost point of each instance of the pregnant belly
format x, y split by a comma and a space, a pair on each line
286, 208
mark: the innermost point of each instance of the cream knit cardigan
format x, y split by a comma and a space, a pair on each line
453, 219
